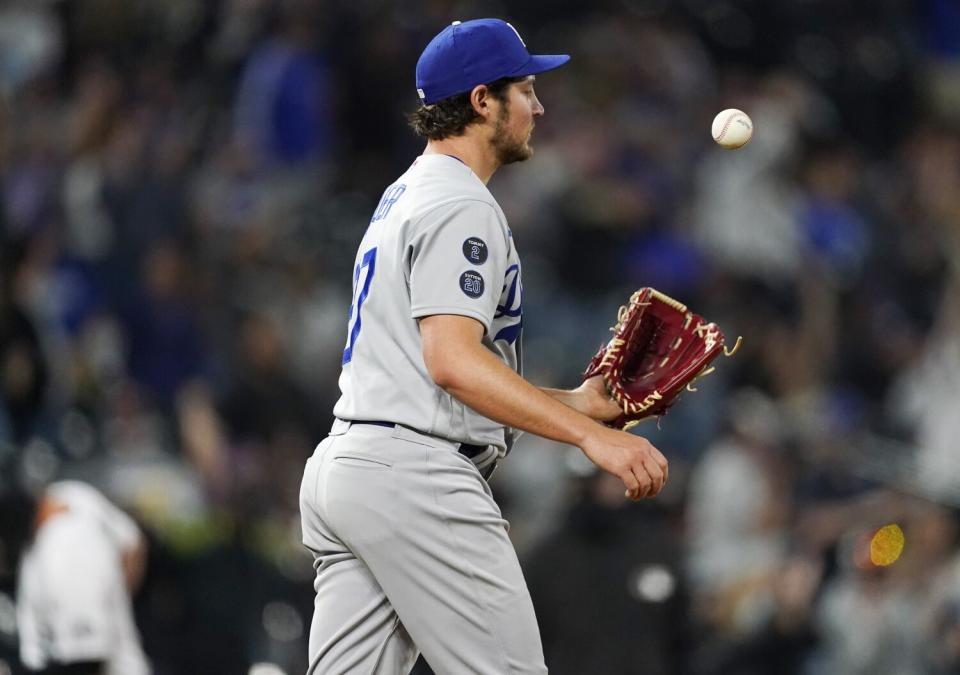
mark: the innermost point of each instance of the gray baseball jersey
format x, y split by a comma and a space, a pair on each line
438, 243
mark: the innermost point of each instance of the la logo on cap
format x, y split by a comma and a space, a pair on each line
515, 32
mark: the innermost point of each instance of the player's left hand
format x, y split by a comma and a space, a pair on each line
594, 400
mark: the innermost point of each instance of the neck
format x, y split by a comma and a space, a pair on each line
469, 149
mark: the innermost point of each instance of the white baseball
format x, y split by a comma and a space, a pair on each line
732, 128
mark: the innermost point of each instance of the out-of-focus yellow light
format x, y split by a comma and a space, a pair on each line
886, 545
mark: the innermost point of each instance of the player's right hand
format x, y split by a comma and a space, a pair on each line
633, 459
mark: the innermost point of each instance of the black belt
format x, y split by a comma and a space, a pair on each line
467, 450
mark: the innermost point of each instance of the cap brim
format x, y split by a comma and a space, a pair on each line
541, 63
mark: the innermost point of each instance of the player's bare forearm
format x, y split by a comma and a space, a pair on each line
468, 371
590, 398
569, 398
460, 364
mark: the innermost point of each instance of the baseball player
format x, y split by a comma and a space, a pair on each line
79, 558
410, 550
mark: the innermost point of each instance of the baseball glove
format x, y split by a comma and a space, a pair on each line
658, 349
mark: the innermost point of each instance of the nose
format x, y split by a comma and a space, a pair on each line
538, 108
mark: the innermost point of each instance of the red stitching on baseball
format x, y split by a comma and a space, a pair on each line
726, 125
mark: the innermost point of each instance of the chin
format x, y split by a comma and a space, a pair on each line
518, 151
523, 151
517, 156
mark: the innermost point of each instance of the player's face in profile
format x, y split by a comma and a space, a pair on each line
511, 136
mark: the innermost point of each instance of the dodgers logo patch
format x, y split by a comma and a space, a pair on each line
475, 250
509, 312
471, 283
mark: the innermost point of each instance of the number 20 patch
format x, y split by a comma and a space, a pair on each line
471, 284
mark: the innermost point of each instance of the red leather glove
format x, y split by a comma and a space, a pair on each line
657, 349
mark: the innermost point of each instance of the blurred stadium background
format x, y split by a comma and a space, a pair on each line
182, 187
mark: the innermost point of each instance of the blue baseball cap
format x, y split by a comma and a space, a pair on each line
468, 53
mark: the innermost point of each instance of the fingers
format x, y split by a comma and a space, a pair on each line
661, 462
634, 488
657, 476
639, 484
643, 491
634, 460
647, 476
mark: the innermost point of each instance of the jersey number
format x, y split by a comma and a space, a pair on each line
366, 268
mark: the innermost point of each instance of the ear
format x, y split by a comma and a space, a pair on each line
480, 100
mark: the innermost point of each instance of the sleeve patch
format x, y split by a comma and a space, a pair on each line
475, 250
471, 284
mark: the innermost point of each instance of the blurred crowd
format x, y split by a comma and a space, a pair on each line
183, 184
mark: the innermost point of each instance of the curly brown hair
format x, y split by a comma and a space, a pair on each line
451, 116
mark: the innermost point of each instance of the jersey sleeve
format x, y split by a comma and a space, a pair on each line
457, 262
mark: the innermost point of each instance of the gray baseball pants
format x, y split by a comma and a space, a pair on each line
411, 554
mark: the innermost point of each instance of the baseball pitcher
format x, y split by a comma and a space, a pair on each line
410, 550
